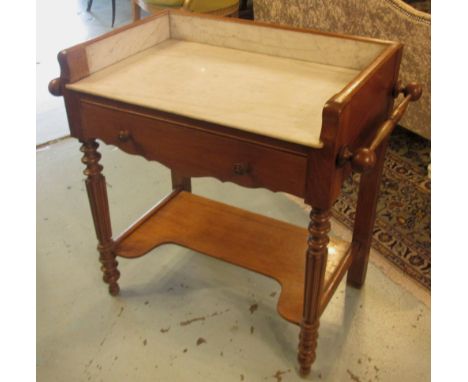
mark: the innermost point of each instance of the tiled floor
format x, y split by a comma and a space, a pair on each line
182, 316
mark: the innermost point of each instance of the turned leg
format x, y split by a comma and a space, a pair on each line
180, 181
316, 262
97, 194
365, 218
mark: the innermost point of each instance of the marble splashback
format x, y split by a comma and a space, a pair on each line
387, 19
196, 66
318, 48
127, 43
272, 96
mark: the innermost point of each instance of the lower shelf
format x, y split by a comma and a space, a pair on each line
261, 244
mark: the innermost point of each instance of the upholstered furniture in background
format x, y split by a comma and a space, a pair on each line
387, 19
216, 7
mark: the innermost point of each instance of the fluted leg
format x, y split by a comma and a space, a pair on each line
97, 194
316, 262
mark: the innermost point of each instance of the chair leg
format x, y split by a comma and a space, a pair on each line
365, 218
136, 11
243, 5
113, 12
316, 262
90, 3
97, 195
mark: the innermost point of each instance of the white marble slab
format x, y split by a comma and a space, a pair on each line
127, 43
272, 96
319, 48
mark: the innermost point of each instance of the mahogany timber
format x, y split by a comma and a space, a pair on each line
180, 181
191, 147
365, 217
205, 153
316, 263
97, 193
178, 120
148, 215
363, 159
348, 118
261, 244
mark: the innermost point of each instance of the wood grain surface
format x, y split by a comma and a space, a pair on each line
271, 247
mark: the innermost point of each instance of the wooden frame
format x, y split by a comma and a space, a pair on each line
353, 134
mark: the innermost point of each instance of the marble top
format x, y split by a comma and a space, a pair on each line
272, 96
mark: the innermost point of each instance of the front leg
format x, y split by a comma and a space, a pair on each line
97, 194
316, 263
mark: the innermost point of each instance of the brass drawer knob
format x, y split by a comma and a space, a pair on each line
241, 168
124, 135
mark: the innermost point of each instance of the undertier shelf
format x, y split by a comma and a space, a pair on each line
268, 246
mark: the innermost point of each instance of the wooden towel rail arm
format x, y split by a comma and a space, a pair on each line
363, 159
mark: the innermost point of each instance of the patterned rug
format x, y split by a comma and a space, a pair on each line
403, 225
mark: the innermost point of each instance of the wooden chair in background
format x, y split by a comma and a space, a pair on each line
90, 4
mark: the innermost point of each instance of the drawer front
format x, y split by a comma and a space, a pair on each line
195, 152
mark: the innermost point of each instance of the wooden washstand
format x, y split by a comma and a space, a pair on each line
309, 108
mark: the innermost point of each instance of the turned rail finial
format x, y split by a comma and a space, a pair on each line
55, 87
414, 90
363, 160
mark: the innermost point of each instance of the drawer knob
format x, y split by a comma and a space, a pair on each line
241, 168
124, 135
